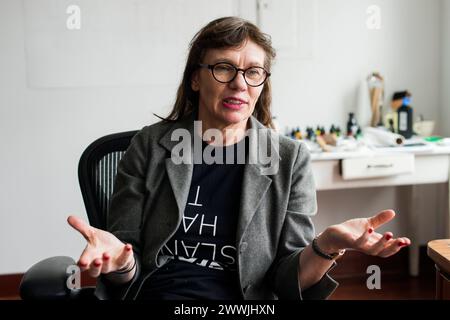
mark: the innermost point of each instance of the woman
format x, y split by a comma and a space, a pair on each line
180, 230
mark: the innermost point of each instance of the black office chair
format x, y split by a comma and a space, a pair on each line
96, 171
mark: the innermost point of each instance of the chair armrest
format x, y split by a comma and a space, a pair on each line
47, 279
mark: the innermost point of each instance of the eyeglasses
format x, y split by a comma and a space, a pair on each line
225, 72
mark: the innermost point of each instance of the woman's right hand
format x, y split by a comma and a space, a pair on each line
104, 252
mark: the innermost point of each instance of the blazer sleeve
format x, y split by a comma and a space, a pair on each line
125, 211
298, 231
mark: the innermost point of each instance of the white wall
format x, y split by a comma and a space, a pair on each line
445, 86
44, 128
406, 51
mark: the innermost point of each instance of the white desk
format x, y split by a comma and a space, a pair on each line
431, 166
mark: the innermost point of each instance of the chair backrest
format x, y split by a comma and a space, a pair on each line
96, 172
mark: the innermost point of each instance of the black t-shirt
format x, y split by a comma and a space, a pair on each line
203, 250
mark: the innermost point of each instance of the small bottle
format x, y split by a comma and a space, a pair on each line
338, 131
391, 125
312, 134
352, 126
359, 133
309, 133
318, 131
292, 134
332, 129
298, 134
405, 118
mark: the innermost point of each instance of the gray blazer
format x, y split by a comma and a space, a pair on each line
274, 226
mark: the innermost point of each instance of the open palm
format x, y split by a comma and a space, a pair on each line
104, 252
359, 234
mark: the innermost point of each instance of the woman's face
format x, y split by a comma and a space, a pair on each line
228, 104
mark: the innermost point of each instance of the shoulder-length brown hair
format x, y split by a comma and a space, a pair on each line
227, 32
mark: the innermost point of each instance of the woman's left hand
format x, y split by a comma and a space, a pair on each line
359, 234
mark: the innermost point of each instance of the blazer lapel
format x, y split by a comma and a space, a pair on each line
180, 174
254, 188
254, 183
